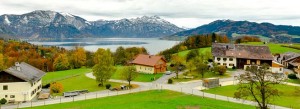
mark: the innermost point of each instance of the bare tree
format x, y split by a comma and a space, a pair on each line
258, 83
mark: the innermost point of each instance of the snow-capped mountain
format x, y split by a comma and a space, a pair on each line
51, 24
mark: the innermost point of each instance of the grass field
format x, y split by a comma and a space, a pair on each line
197, 76
82, 82
287, 98
201, 50
75, 79
149, 100
60, 75
275, 48
296, 81
141, 78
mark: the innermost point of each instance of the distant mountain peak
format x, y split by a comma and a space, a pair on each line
230, 27
47, 23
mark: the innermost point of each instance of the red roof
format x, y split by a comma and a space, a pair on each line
148, 60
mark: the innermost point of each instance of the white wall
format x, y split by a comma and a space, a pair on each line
144, 69
21, 90
277, 69
227, 62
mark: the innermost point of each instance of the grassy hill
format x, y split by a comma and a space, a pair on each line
149, 100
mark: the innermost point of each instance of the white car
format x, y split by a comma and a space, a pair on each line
168, 73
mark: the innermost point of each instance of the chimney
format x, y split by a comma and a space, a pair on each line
17, 64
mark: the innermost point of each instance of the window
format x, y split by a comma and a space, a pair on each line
219, 64
218, 59
230, 59
224, 59
231, 64
12, 96
5, 87
280, 69
258, 62
248, 61
140, 67
224, 64
6, 96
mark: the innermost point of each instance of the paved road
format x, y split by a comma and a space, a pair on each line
192, 87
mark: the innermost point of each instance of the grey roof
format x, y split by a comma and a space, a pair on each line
27, 72
289, 56
241, 51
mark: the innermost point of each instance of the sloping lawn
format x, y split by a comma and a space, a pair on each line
149, 100
82, 82
296, 81
60, 75
201, 50
275, 48
75, 79
141, 78
287, 98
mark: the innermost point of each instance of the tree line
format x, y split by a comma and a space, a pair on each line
193, 42
53, 58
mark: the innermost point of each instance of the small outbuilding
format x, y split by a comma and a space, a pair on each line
150, 64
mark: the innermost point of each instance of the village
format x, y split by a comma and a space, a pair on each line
21, 84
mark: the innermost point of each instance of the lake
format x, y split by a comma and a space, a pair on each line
153, 45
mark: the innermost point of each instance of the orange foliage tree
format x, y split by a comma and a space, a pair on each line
56, 87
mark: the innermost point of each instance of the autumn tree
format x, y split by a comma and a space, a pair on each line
120, 56
129, 73
192, 54
104, 68
56, 87
2, 64
61, 62
190, 65
177, 64
258, 83
78, 57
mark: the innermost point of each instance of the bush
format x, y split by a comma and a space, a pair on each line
222, 70
46, 85
170, 81
56, 87
107, 86
292, 76
233, 67
3, 101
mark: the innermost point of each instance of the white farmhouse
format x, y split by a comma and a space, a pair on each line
21, 82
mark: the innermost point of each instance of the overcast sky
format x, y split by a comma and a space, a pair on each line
187, 13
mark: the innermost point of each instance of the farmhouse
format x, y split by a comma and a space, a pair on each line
150, 64
240, 55
21, 82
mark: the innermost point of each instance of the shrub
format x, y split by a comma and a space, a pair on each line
107, 86
46, 85
233, 67
170, 81
3, 101
292, 76
222, 70
56, 87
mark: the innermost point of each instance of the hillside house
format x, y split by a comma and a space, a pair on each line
240, 55
150, 64
21, 82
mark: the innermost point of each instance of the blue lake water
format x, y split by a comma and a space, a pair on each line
153, 45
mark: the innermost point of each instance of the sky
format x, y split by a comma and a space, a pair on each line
183, 13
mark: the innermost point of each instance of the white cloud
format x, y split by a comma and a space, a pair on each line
188, 13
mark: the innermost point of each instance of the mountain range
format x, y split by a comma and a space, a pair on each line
235, 28
51, 24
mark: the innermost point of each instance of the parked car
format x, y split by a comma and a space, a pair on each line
168, 73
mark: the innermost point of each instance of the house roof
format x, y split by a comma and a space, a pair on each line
25, 72
290, 57
148, 60
295, 62
241, 51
